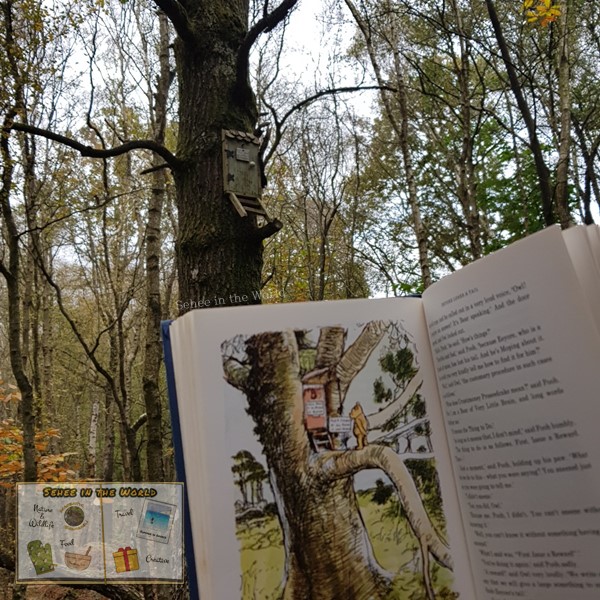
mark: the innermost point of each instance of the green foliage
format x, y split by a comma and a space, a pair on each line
425, 476
399, 365
381, 393
418, 407
393, 542
382, 492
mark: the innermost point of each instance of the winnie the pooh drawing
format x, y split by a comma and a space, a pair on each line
361, 426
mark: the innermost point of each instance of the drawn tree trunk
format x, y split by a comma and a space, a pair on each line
328, 552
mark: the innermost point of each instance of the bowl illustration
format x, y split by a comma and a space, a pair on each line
79, 562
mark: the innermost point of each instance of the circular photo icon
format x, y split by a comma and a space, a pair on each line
74, 516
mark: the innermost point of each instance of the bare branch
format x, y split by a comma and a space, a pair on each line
154, 169
271, 228
235, 373
356, 356
177, 14
267, 23
279, 123
92, 152
98, 204
379, 419
141, 420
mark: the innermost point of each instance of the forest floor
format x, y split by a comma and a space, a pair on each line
44, 592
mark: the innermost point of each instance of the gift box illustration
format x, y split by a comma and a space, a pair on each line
126, 559
41, 556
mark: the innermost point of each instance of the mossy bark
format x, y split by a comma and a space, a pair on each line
219, 255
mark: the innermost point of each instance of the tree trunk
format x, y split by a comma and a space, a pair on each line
561, 191
542, 170
400, 127
92, 437
465, 168
47, 351
219, 253
108, 463
11, 273
153, 239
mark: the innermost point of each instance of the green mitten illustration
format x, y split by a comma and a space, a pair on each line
41, 557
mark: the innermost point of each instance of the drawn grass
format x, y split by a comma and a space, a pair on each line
394, 546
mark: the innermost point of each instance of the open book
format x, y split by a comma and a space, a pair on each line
436, 447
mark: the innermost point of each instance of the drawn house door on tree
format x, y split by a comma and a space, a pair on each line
315, 409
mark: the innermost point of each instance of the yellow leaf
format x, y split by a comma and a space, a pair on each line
544, 12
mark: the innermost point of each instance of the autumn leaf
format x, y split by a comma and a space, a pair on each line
544, 12
51, 467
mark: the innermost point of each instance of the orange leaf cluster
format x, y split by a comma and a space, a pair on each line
8, 392
51, 467
544, 12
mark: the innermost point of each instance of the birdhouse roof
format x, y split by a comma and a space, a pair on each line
316, 376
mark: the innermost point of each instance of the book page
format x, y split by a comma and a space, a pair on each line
517, 356
579, 246
312, 434
593, 233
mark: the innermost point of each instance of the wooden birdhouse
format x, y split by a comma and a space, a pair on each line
315, 409
242, 172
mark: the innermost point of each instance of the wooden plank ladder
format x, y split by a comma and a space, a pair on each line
248, 205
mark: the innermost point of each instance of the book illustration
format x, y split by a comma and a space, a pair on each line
332, 497
126, 559
156, 521
74, 516
41, 557
360, 427
78, 562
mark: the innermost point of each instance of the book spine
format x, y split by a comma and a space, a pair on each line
179, 461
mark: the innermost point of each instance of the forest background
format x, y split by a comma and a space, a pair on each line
418, 138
